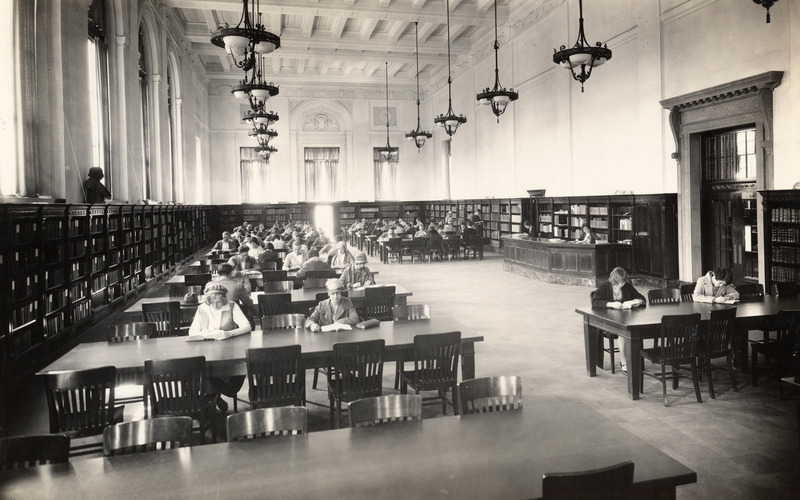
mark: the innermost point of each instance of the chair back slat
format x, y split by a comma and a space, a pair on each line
436, 358
278, 286
81, 402
274, 275
385, 410
175, 386
283, 321
378, 303
664, 296
276, 376
490, 394
411, 312
358, 368
126, 332
28, 451
687, 292
271, 304
679, 336
147, 435
266, 422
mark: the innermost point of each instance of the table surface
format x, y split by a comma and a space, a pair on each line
493, 455
637, 319
316, 347
299, 296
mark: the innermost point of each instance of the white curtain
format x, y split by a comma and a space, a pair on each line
385, 175
322, 174
254, 176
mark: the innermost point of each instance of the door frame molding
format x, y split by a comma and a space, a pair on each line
741, 102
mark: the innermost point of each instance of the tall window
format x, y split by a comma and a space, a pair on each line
97, 57
729, 155
175, 141
322, 174
385, 175
198, 170
145, 99
254, 176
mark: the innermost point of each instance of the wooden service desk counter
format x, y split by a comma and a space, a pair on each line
488, 455
564, 262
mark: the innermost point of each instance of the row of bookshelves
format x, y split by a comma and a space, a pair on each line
781, 236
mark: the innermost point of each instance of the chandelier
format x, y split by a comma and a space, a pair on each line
387, 151
265, 151
245, 40
263, 134
582, 55
450, 121
255, 88
418, 135
767, 4
257, 117
498, 97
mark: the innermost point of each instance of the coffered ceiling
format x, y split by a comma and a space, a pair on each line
345, 42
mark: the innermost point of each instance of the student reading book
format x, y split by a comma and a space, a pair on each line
217, 318
336, 309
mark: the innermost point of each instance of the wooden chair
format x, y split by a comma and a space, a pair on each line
167, 317
751, 292
378, 303
664, 296
197, 269
411, 312
385, 410
393, 249
278, 275
271, 304
490, 394
601, 348
147, 435
716, 343
357, 373
687, 292
787, 289
782, 348
129, 383
81, 403
283, 321
314, 283
609, 483
473, 243
418, 248
177, 290
269, 265
175, 387
678, 345
278, 286
276, 376
28, 451
326, 274
435, 367
435, 248
266, 422
452, 246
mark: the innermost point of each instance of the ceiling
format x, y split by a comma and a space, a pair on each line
345, 42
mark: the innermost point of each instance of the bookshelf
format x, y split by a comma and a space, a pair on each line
98, 261
781, 237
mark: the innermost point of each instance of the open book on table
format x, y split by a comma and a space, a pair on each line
336, 327
213, 335
628, 304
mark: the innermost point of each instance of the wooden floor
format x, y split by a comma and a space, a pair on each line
742, 445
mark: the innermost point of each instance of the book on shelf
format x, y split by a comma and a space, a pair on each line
336, 327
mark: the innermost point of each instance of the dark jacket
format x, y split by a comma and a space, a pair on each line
605, 294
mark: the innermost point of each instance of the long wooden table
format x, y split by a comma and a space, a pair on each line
491, 455
302, 299
227, 358
639, 324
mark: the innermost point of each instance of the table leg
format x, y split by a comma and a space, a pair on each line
467, 360
632, 359
590, 335
740, 347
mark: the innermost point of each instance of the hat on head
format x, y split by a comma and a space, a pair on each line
361, 258
334, 285
212, 287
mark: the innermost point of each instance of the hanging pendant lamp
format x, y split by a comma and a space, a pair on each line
245, 40
582, 57
498, 97
387, 152
418, 135
449, 121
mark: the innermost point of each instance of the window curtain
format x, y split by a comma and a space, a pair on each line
322, 174
385, 175
254, 176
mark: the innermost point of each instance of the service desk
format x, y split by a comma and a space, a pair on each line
490, 455
564, 262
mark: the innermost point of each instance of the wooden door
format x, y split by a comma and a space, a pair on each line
723, 232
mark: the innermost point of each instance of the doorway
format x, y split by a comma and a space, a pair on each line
729, 225
323, 220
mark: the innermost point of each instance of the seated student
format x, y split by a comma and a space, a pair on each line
242, 261
219, 315
618, 293
227, 243
236, 291
528, 228
335, 309
278, 243
295, 258
435, 242
589, 236
341, 256
314, 263
715, 287
256, 247
358, 274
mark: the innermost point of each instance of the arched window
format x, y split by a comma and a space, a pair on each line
145, 99
97, 56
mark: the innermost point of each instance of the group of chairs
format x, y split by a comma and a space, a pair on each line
427, 250
684, 340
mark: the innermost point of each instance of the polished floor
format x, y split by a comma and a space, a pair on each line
742, 444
